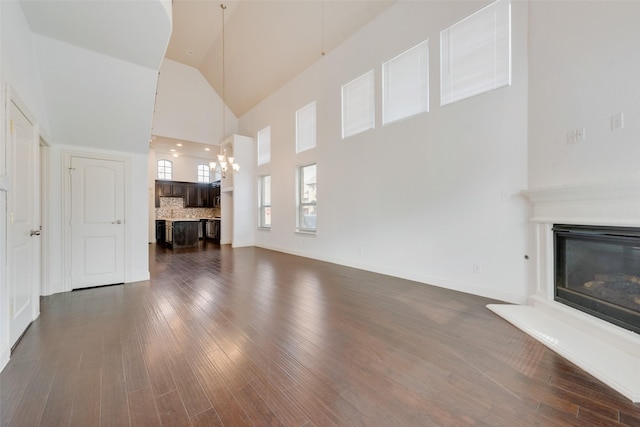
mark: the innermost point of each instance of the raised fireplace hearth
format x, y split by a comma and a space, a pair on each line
597, 271
585, 262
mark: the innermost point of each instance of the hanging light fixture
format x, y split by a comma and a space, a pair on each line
225, 164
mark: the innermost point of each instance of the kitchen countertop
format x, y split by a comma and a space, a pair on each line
187, 219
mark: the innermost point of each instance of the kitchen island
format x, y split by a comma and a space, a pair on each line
178, 232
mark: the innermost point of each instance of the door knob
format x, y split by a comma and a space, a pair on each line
34, 233
117, 222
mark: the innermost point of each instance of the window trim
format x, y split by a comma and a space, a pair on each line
371, 107
261, 202
501, 61
208, 169
299, 204
168, 165
259, 145
422, 106
314, 127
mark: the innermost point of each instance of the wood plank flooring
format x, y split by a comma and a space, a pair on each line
249, 337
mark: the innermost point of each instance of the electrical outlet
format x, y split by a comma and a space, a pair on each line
505, 195
571, 137
580, 134
617, 122
477, 268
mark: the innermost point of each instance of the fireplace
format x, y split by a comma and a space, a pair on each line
597, 271
580, 305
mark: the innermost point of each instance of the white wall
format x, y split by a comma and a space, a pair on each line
584, 68
95, 100
185, 168
243, 216
188, 108
422, 198
18, 68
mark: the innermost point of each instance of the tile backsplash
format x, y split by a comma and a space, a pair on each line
173, 207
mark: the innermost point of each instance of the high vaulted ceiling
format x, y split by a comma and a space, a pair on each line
267, 42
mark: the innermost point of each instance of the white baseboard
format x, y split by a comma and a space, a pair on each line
4, 358
139, 276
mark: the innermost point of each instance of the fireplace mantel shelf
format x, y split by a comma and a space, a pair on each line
625, 190
611, 203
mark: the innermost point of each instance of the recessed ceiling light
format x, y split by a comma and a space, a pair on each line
189, 52
172, 149
179, 145
207, 149
175, 154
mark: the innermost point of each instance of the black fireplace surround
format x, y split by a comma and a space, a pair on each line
597, 270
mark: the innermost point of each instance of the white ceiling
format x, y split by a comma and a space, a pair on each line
182, 148
267, 42
98, 62
120, 29
99, 59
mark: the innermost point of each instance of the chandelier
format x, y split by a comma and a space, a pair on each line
225, 164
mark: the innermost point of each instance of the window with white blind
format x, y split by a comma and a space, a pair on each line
405, 84
358, 105
165, 169
264, 146
476, 53
306, 127
264, 201
204, 173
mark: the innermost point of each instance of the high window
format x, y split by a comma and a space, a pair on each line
264, 201
476, 53
204, 173
165, 169
307, 198
264, 146
306, 127
358, 105
405, 84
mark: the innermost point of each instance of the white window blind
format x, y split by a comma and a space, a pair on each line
306, 128
405, 84
264, 146
476, 53
358, 105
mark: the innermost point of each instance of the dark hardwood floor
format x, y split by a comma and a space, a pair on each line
242, 337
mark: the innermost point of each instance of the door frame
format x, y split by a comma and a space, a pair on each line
67, 244
11, 96
46, 243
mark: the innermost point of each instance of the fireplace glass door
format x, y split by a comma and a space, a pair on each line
597, 270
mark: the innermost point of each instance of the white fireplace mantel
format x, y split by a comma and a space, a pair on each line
606, 351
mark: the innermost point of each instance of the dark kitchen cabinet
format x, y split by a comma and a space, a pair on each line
197, 196
170, 188
191, 199
160, 231
185, 234
214, 195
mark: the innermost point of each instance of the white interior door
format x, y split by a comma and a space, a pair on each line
97, 222
23, 223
